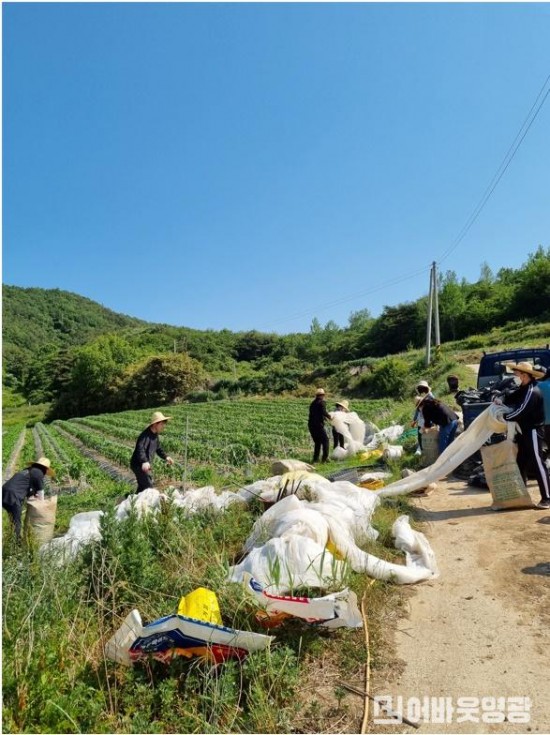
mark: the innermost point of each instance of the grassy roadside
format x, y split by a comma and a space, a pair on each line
57, 620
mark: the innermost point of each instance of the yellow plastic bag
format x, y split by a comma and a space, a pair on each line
372, 454
372, 484
201, 604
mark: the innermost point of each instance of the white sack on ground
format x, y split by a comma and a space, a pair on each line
338, 610
488, 422
280, 466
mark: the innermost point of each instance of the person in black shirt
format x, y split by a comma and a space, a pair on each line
23, 485
317, 415
528, 412
147, 445
438, 413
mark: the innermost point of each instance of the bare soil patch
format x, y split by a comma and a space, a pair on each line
482, 628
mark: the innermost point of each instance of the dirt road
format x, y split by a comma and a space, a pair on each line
482, 629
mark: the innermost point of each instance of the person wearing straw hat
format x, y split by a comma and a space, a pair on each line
528, 412
147, 445
24, 484
338, 438
436, 413
316, 425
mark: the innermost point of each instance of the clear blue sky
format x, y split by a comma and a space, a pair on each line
253, 166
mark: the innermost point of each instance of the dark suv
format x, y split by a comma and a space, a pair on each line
492, 378
492, 366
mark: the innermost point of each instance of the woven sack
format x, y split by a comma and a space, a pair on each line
503, 476
40, 520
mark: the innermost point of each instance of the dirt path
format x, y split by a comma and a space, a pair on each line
481, 629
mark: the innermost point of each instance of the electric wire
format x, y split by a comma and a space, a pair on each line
506, 161
351, 297
501, 170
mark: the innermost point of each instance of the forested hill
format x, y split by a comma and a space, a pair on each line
36, 317
84, 358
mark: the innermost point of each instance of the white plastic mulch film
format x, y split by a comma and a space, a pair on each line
313, 535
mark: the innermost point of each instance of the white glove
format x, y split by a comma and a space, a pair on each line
169, 460
146, 466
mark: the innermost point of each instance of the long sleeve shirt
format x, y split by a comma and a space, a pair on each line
527, 405
435, 412
22, 485
147, 445
317, 414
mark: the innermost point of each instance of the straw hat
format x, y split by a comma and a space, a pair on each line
44, 462
344, 404
320, 392
524, 367
423, 384
157, 417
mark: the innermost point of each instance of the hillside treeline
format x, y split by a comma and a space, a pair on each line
85, 359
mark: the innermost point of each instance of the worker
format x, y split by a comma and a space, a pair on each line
528, 412
435, 412
317, 416
24, 484
147, 445
338, 438
544, 387
422, 389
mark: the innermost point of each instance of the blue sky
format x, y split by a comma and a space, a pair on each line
253, 166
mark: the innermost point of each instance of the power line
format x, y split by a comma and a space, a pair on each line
512, 150
352, 297
501, 170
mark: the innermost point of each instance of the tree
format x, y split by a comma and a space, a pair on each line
161, 379
92, 387
360, 320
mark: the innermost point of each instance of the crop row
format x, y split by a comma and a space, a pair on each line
13, 443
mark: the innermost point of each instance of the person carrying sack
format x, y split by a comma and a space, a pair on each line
147, 445
528, 412
24, 484
437, 413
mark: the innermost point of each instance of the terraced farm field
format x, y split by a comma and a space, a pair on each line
228, 437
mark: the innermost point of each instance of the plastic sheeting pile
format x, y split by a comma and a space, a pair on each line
359, 436
313, 537
310, 536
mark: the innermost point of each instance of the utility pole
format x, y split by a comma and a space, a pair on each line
436, 307
433, 310
429, 324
